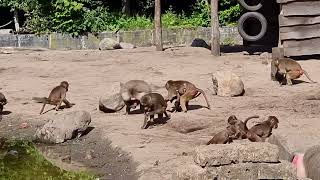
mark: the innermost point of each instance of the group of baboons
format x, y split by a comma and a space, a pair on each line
138, 92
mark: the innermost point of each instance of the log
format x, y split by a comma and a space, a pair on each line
301, 8
157, 21
298, 20
286, 1
16, 20
215, 34
300, 32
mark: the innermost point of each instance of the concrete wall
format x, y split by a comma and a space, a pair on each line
228, 35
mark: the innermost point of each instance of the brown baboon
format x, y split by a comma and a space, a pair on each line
132, 91
153, 103
3, 101
185, 91
264, 129
286, 70
224, 136
241, 127
57, 96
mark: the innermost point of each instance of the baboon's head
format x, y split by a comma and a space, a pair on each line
65, 84
232, 119
273, 121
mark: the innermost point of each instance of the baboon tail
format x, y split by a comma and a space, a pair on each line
40, 99
205, 97
307, 75
248, 118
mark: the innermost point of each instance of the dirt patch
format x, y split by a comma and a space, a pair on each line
158, 150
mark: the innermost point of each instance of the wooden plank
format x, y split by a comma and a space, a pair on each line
300, 51
215, 33
158, 27
303, 8
286, 1
298, 20
300, 32
302, 43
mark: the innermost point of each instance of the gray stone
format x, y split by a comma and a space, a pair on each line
108, 44
187, 125
284, 152
245, 171
111, 104
64, 127
190, 172
197, 42
227, 84
224, 154
124, 45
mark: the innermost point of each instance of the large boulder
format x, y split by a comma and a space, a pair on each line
64, 127
111, 104
244, 152
227, 84
108, 44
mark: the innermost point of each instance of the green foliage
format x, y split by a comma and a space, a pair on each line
81, 16
27, 163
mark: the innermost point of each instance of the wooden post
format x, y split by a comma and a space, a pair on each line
215, 33
157, 22
16, 20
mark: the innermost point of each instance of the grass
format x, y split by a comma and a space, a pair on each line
20, 160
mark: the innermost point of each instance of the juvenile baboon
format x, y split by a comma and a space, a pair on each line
241, 127
185, 91
286, 70
3, 101
264, 129
57, 96
307, 164
224, 136
132, 91
153, 103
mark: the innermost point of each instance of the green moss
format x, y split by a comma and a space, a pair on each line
19, 159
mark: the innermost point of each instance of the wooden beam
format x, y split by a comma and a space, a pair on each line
16, 20
300, 32
157, 22
215, 33
301, 8
301, 51
298, 20
302, 43
287, 1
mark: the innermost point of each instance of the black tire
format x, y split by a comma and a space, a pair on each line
250, 8
257, 16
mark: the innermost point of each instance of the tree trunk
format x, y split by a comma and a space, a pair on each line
16, 20
215, 34
126, 7
157, 21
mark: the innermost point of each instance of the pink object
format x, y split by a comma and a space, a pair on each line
298, 164
24, 125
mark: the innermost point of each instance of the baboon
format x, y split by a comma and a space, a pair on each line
286, 70
3, 101
225, 136
153, 103
307, 164
264, 129
57, 96
132, 91
185, 91
241, 127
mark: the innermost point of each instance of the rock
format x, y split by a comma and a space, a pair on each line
66, 159
245, 53
190, 172
124, 45
284, 152
111, 104
64, 127
244, 171
265, 55
187, 125
108, 44
227, 84
224, 154
197, 42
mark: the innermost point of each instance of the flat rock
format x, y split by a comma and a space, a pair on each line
63, 127
108, 44
245, 171
284, 152
190, 172
124, 45
186, 126
228, 84
224, 154
112, 103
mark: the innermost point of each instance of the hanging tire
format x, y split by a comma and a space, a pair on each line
257, 16
248, 7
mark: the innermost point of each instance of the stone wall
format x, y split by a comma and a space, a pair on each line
142, 38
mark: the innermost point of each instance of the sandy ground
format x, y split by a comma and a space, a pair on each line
159, 149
